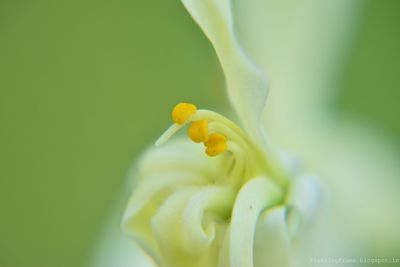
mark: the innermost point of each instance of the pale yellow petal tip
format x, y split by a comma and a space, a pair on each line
198, 131
182, 112
216, 144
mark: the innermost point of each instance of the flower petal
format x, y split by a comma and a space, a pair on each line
302, 45
303, 201
255, 196
214, 202
246, 85
272, 244
161, 172
167, 225
177, 155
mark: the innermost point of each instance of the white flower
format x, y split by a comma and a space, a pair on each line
245, 204
189, 209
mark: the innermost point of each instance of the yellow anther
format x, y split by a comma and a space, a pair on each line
216, 144
198, 131
182, 111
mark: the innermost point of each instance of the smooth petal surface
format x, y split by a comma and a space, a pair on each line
301, 45
304, 55
256, 195
304, 200
362, 174
272, 245
246, 84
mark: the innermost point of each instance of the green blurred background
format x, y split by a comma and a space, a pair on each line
85, 86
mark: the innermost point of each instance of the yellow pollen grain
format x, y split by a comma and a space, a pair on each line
182, 111
198, 131
216, 144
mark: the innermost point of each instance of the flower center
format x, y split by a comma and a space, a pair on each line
220, 135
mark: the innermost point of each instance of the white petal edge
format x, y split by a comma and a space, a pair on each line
303, 201
255, 196
247, 86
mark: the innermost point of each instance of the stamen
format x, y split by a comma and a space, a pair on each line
182, 112
238, 172
216, 144
168, 134
219, 134
198, 131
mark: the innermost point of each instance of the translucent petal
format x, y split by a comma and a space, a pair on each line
246, 85
304, 200
302, 45
360, 212
362, 173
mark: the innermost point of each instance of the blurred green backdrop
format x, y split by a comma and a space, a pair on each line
86, 85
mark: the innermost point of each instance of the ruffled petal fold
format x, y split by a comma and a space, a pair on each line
178, 213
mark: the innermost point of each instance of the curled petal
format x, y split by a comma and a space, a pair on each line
167, 226
167, 223
246, 85
255, 196
304, 199
210, 206
161, 172
156, 187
